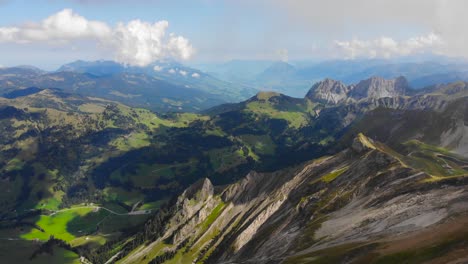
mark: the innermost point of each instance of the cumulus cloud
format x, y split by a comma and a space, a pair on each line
179, 47
140, 43
386, 47
183, 73
157, 68
283, 54
62, 26
195, 75
135, 43
395, 18
171, 71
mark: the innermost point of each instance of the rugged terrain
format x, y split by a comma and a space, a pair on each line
349, 207
101, 177
294, 78
331, 91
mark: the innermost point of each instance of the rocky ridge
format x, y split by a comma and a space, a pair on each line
362, 197
335, 92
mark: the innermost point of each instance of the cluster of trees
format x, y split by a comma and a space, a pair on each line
113, 113
48, 247
152, 230
162, 258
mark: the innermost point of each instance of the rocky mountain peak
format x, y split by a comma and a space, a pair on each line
328, 91
378, 87
334, 92
362, 143
198, 191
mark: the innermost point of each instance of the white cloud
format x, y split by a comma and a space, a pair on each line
183, 73
135, 43
180, 47
171, 71
157, 68
386, 47
393, 18
62, 26
140, 43
196, 75
283, 54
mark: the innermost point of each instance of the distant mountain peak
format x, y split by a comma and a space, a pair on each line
266, 95
279, 70
378, 87
281, 65
100, 67
333, 92
328, 91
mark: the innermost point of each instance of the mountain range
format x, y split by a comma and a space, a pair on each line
331, 91
296, 77
361, 172
168, 86
162, 87
369, 202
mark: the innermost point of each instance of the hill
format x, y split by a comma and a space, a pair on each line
79, 167
172, 87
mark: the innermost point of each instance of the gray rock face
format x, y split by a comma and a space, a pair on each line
362, 194
200, 190
329, 91
335, 92
377, 87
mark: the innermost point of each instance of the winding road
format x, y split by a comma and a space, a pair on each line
140, 212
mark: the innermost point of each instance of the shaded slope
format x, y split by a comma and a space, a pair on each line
361, 196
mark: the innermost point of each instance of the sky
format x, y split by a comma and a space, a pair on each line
49, 33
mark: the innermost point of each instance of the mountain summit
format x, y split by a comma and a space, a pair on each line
328, 91
334, 92
377, 87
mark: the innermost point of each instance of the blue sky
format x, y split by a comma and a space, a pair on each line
218, 30
210, 30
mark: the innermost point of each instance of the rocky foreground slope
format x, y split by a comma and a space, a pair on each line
366, 204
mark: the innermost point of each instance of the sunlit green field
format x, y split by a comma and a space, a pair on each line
78, 222
66, 225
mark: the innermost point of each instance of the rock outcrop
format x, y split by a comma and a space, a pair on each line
377, 87
365, 195
328, 91
334, 92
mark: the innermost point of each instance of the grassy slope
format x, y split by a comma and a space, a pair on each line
296, 115
74, 225
277, 106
